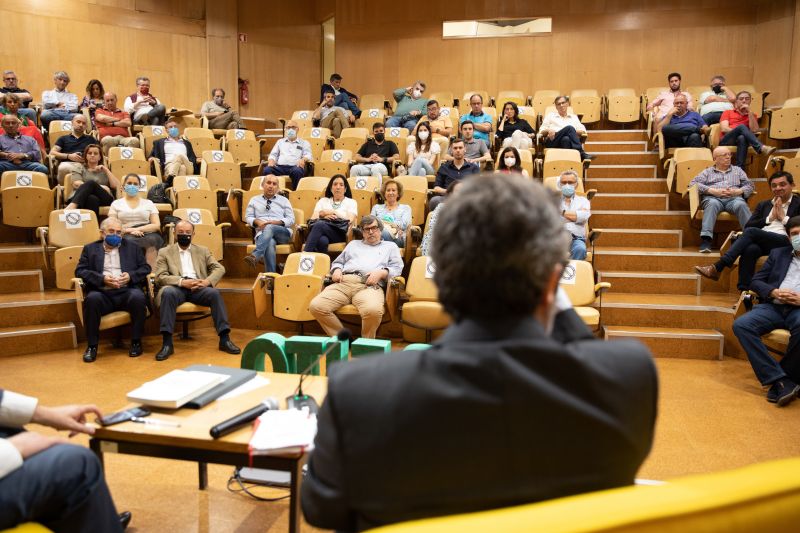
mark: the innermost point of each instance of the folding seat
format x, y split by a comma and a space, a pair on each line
777, 340
526, 161
591, 235
557, 160
206, 231
788, 163
715, 136
146, 182
373, 101
623, 106
685, 164
454, 115
193, 192
302, 117
422, 311
463, 104
239, 198
587, 105
543, 98
784, 123
415, 195
67, 231
149, 135
295, 245
187, 120
309, 190
518, 97
726, 222
202, 139
221, 171
27, 198
123, 161
289, 294
369, 117
111, 320
759, 102
578, 281
445, 98
696, 91
352, 139
184, 313
334, 162
399, 136
57, 129
320, 139
364, 190
243, 146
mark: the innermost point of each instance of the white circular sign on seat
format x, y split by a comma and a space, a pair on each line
24, 180
303, 114
306, 264
126, 153
73, 218
430, 268
142, 182
67, 126
373, 113
218, 156
445, 111
337, 155
315, 133
361, 183
158, 130
192, 183
194, 216
394, 132
239, 135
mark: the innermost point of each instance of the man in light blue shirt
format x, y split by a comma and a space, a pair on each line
575, 212
359, 275
18, 152
272, 218
59, 103
481, 120
289, 155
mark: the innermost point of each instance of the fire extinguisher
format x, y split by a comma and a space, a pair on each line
244, 91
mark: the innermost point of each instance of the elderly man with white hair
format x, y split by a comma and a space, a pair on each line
59, 103
575, 212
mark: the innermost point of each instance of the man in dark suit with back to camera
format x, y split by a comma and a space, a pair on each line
517, 402
113, 271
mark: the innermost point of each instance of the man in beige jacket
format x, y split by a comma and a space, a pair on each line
188, 273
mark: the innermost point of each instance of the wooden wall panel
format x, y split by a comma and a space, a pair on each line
773, 51
223, 49
794, 72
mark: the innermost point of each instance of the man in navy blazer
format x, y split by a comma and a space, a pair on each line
113, 271
763, 233
517, 402
778, 287
343, 98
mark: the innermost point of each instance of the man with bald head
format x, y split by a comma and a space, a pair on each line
681, 126
187, 272
68, 149
18, 152
289, 155
723, 188
112, 124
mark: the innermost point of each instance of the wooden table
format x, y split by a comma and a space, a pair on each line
192, 442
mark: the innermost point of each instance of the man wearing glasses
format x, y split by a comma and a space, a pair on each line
271, 217
738, 126
359, 275
10, 86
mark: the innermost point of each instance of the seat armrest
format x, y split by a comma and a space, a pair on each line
42, 232
694, 200
601, 287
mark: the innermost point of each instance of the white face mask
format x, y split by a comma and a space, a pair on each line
423, 135
510, 161
416, 93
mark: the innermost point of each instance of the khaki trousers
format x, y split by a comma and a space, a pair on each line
368, 300
65, 167
336, 122
180, 166
229, 120
118, 140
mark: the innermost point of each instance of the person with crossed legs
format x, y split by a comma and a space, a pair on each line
271, 217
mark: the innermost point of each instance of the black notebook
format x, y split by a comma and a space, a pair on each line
238, 376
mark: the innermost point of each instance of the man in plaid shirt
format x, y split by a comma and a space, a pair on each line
722, 187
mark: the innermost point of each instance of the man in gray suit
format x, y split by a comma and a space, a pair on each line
515, 403
188, 273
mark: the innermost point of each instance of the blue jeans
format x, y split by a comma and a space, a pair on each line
321, 235
343, 100
682, 135
400, 241
712, 118
398, 122
27, 165
266, 241
293, 171
577, 250
49, 115
742, 138
567, 137
421, 167
29, 113
762, 319
713, 206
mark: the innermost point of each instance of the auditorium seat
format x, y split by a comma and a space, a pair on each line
193, 192
67, 228
518, 97
149, 135
206, 231
348, 314
422, 311
578, 280
309, 190
715, 136
291, 292
146, 182
725, 221
784, 123
27, 198
370, 101
202, 139
184, 313
352, 139
221, 171
622, 106
415, 195
587, 105
399, 136
591, 235
238, 198
543, 98
186, 119
124, 160
112, 320
334, 162
684, 165
557, 160
364, 189
302, 117
243, 146
57, 129
463, 104
650, 94
369, 117
454, 115
776, 340
780, 162
759, 102
696, 91
295, 245
319, 138
445, 98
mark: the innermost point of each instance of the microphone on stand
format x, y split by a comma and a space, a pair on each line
298, 400
242, 419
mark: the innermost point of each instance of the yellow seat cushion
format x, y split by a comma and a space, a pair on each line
589, 315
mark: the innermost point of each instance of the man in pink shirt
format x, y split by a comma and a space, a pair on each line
665, 101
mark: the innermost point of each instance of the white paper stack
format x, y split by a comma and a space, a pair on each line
175, 388
284, 432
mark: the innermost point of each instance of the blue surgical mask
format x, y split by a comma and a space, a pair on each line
113, 240
131, 190
173, 131
796, 243
291, 133
568, 190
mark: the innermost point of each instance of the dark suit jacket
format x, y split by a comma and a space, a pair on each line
329, 87
158, 152
772, 273
131, 260
494, 414
759, 217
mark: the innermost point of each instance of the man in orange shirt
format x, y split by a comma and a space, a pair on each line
112, 125
738, 125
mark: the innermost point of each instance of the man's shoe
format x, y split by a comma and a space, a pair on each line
783, 392
229, 347
164, 353
589, 156
90, 354
708, 271
705, 246
251, 260
136, 349
124, 519
767, 149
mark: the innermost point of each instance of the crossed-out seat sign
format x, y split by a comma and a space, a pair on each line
430, 268
193, 183
361, 183
239, 134
307, 263
303, 114
126, 153
315, 133
570, 274
394, 132
24, 179
66, 126
194, 216
336, 155
218, 156
142, 182
73, 218
158, 130
373, 113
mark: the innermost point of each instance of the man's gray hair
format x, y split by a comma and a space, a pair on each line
718, 77
569, 171
496, 245
7, 72
105, 223
366, 220
141, 79
61, 75
215, 89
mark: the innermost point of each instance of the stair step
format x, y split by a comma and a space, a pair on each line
621, 259
675, 220
617, 135
639, 238
604, 170
21, 257
19, 340
12, 281
652, 282
49, 306
631, 201
624, 185
598, 147
673, 342
235, 250
626, 158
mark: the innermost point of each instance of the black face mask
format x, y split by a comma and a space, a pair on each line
183, 239
379, 137
718, 89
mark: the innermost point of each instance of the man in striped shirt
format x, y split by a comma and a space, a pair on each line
723, 188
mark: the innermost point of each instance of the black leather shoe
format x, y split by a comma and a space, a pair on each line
136, 349
164, 353
124, 519
229, 347
90, 354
